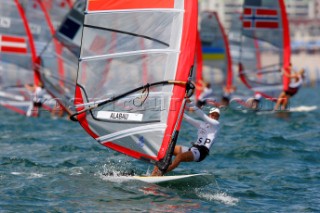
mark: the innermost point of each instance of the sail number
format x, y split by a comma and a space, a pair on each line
119, 116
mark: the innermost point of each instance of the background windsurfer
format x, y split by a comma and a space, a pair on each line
254, 102
206, 93
207, 130
57, 111
283, 99
38, 93
226, 96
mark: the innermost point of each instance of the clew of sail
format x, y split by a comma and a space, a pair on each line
265, 47
141, 41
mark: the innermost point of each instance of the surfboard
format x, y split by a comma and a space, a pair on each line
303, 109
290, 110
194, 180
163, 179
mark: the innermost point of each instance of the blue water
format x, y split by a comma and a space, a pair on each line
261, 163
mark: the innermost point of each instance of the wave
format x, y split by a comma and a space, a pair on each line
218, 196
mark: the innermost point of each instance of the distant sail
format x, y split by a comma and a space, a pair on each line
58, 66
198, 66
70, 31
114, 104
215, 44
265, 47
57, 10
17, 57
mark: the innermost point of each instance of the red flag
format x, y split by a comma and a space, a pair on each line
13, 44
260, 18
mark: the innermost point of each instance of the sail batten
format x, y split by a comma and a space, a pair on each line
138, 10
126, 54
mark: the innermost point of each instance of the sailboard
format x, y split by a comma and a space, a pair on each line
17, 58
194, 180
303, 108
132, 98
265, 47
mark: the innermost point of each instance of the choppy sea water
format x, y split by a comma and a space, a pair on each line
266, 162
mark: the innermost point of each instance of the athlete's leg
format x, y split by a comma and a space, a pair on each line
182, 157
285, 102
280, 99
177, 150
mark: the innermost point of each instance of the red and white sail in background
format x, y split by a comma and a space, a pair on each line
265, 47
17, 57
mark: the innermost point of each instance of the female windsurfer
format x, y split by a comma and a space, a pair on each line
206, 93
227, 93
254, 102
37, 100
207, 131
294, 86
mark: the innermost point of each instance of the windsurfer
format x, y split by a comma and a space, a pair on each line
254, 103
207, 131
226, 96
206, 93
294, 86
57, 111
37, 100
